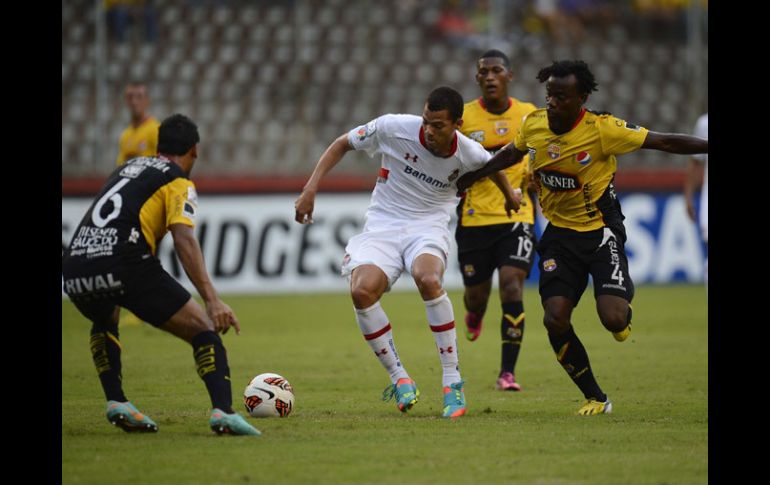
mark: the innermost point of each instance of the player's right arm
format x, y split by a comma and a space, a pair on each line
305, 203
189, 252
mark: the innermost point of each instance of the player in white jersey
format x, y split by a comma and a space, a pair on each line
701, 130
407, 229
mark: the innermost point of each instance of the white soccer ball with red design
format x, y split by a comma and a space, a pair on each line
269, 395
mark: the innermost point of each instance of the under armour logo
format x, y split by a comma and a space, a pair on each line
413, 158
448, 350
381, 352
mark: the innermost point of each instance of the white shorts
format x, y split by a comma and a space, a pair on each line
394, 250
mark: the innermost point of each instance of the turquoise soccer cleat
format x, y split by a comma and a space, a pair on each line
454, 400
405, 391
234, 424
128, 418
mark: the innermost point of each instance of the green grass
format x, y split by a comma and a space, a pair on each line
340, 431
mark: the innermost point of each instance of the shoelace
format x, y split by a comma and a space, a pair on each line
389, 392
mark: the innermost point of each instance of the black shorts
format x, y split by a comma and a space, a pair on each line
144, 288
482, 249
567, 257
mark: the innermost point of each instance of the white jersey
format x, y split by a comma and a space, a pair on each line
413, 184
702, 130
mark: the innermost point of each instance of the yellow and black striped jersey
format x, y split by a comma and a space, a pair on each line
141, 141
484, 204
574, 171
134, 210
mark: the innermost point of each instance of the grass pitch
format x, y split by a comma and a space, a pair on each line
341, 432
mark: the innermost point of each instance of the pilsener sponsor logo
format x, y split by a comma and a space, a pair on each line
558, 181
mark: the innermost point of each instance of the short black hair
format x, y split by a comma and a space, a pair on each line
177, 135
444, 97
585, 78
497, 53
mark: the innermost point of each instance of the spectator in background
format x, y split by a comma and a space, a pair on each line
690, 181
572, 155
121, 13
454, 26
140, 138
487, 238
549, 13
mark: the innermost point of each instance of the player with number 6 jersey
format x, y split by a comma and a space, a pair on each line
111, 263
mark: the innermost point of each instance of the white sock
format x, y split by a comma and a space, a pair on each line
442, 322
375, 326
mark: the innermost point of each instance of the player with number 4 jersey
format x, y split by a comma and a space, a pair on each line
572, 154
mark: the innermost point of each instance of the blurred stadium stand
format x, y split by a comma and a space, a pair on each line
272, 83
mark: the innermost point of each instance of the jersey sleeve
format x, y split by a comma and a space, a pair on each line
181, 202
521, 136
367, 137
478, 156
619, 136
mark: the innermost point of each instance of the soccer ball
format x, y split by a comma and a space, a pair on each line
268, 395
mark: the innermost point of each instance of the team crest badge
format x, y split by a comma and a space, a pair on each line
501, 127
366, 130
583, 158
454, 175
469, 270
554, 151
549, 265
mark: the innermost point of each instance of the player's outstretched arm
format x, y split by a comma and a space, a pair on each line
504, 158
189, 252
676, 143
305, 203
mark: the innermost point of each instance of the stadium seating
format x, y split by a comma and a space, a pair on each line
271, 83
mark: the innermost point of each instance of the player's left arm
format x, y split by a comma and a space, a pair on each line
191, 256
504, 158
676, 143
512, 196
181, 210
